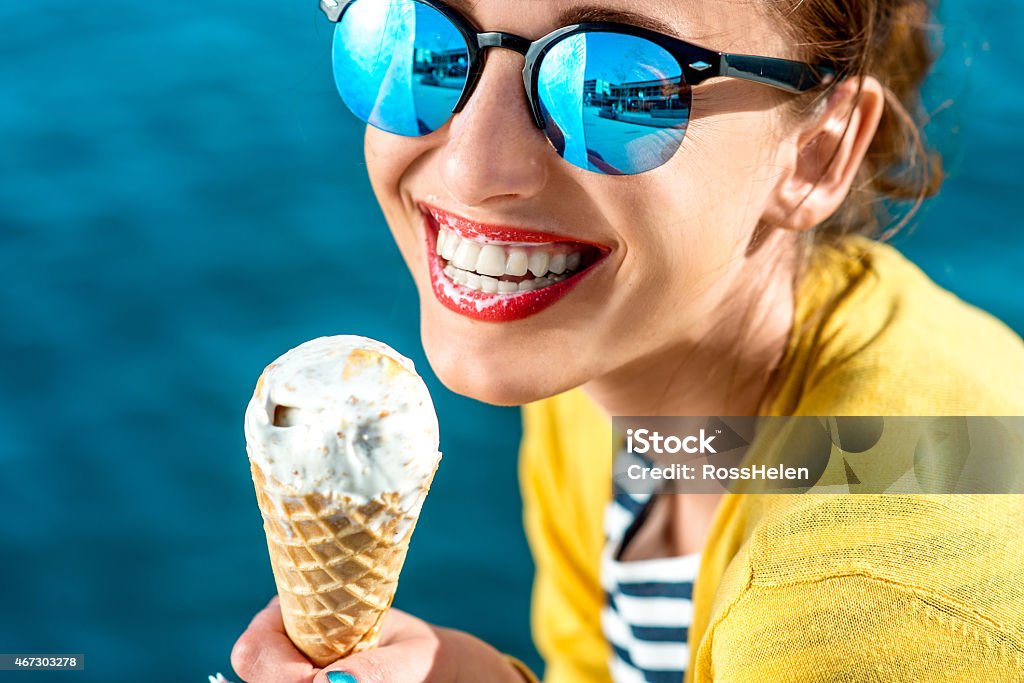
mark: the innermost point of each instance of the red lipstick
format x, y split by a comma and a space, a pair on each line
532, 291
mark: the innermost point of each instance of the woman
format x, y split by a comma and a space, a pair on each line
652, 227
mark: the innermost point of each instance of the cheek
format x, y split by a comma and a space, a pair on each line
728, 171
687, 225
734, 146
390, 159
384, 162
392, 162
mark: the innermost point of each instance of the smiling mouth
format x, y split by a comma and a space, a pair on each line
501, 273
496, 268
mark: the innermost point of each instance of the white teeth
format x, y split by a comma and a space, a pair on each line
455, 275
557, 264
538, 263
451, 243
480, 265
466, 255
528, 285
488, 284
491, 262
518, 262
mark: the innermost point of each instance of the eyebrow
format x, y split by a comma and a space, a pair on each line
588, 13
579, 15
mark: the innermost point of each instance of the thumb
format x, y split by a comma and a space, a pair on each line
409, 661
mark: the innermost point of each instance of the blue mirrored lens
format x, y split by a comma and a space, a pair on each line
613, 103
399, 65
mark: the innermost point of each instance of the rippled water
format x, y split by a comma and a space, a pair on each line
182, 199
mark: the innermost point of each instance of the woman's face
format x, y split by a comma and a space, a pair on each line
664, 253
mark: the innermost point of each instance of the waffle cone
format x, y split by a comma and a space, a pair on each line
336, 563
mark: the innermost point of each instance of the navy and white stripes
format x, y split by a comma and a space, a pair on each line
649, 606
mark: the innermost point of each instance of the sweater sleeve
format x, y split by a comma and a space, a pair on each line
567, 595
855, 628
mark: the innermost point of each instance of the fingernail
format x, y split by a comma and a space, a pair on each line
341, 677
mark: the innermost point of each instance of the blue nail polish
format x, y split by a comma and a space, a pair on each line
341, 677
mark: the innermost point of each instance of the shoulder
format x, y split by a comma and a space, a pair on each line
938, 543
855, 628
902, 588
565, 467
876, 336
565, 485
562, 433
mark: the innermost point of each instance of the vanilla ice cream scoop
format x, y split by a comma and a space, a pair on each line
346, 416
343, 444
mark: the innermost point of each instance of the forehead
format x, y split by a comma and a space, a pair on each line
727, 25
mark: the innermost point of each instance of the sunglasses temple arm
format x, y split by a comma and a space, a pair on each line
794, 77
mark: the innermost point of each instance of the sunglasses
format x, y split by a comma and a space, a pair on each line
611, 98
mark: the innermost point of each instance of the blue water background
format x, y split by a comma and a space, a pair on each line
182, 198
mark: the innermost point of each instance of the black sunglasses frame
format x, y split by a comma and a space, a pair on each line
698, 63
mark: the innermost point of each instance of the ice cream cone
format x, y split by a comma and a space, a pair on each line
339, 505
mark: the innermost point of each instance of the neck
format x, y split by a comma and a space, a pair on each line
729, 366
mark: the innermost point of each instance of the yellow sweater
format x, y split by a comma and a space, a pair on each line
815, 587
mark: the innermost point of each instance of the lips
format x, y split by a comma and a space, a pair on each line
501, 273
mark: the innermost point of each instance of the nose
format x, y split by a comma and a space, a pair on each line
493, 151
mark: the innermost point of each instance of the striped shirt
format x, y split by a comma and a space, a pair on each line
648, 603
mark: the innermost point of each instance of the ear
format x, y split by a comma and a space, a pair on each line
824, 158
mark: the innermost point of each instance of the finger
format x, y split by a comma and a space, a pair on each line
399, 626
265, 654
410, 661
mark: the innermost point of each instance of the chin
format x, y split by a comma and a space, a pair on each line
492, 367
